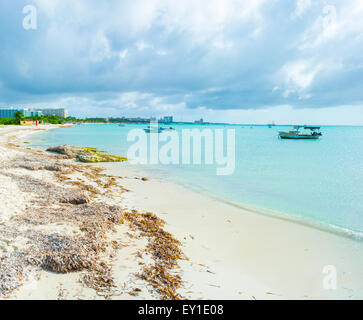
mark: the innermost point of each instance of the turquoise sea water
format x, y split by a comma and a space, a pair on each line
315, 182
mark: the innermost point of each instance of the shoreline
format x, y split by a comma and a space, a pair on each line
341, 231
308, 222
234, 255
257, 209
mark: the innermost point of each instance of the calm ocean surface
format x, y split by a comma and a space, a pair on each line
315, 182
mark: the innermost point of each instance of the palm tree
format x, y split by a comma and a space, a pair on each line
18, 117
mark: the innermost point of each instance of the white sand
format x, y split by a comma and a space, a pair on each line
234, 254
250, 255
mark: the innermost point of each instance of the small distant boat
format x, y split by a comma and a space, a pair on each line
121, 125
168, 129
296, 134
270, 125
153, 129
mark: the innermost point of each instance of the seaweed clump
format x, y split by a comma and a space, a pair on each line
63, 254
165, 251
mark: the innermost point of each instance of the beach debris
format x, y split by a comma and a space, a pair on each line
83, 186
165, 251
135, 292
62, 293
47, 192
13, 271
74, 198
111, 182
100, 279
144, 179
39, 165
41, 161
63, 254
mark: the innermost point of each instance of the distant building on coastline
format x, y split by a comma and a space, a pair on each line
167, 119
59, 112
140, 120
201, 121
10, 112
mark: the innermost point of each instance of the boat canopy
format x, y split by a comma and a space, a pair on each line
312, 128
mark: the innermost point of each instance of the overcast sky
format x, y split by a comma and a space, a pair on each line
224, 60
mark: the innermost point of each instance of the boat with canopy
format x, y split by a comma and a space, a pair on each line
296, 134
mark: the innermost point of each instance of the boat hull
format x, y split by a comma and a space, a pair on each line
298, 136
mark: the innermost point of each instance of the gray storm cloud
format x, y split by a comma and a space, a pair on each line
160, 55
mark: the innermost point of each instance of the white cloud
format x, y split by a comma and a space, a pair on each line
100, 48
335, 23
124, 53
298, 76
323, 30
161, 52
222, 44
302, 6
141, 45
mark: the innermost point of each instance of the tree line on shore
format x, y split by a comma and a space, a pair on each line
59, 120
18, 117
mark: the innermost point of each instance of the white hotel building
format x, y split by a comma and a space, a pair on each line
60, 112
10, 112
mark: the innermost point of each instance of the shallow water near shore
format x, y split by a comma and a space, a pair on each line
319, 183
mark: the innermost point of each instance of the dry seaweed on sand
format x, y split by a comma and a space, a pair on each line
67, 254
76, 197
84, 186
64, 254
100, 279
14, 269
165, 251
54, 252
39, 161
47, 192
74, 203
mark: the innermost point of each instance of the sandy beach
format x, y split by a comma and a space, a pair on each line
212, 250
